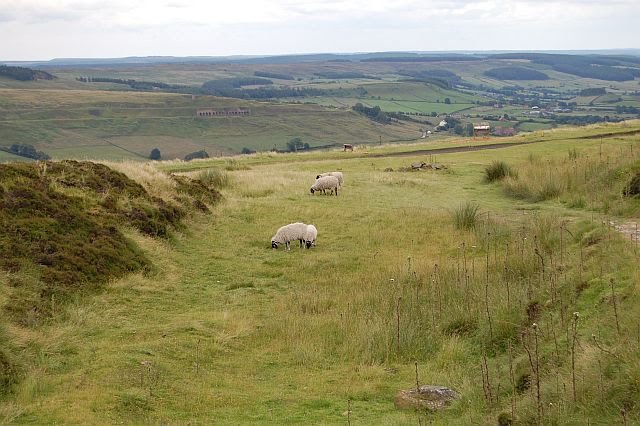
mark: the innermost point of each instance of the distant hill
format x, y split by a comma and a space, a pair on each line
421, 56
601, 67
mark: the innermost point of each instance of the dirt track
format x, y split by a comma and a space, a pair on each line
451, 149
468, 148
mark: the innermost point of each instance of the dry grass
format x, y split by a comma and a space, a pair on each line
156, 182
230, 329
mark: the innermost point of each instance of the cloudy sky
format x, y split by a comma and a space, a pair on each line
46, 29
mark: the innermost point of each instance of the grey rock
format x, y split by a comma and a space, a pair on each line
426, 397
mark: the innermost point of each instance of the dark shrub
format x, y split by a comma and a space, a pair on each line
498, 170
632, 189
197, 154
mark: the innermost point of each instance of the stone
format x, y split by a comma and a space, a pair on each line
427, 397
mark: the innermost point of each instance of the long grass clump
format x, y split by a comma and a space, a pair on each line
465, 216
598, 178
214, 177
497, 171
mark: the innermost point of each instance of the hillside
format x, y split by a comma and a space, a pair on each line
123, 110
519, 294
128, 125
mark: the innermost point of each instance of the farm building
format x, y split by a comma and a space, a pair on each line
481, 129
224, 112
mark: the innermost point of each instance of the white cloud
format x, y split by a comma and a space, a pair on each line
49, 28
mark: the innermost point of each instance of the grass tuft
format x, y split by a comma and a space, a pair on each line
214, 178
465, 216
498, 170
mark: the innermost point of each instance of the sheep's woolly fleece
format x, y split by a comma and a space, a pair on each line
336, 174
326, 182
288, 233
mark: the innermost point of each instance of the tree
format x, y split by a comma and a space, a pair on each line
28, 151
295, 144
468, 130
155, 154
447, 101
197, 154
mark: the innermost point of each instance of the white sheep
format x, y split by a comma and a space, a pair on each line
310, 236
288, 233
336, 174
326, 182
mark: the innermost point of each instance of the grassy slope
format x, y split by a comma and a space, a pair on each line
126, 125
230, 331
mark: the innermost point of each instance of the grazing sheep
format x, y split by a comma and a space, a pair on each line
326, 182
336, 174
288, 233
310, 236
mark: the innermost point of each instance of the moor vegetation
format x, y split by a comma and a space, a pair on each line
610, 67
63, 238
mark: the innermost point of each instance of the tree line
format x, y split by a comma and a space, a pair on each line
24, 74
275, 75
516, 73
138, 85
375, 113
26, 151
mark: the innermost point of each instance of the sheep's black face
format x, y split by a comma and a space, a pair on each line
274, 245
312, 191
318, 177
308, 244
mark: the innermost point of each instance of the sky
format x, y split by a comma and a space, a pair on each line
47, 29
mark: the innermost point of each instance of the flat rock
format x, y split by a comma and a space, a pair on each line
426, 397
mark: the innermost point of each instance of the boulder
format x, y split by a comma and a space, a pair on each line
427, 397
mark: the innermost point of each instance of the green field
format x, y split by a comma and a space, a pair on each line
223, 329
